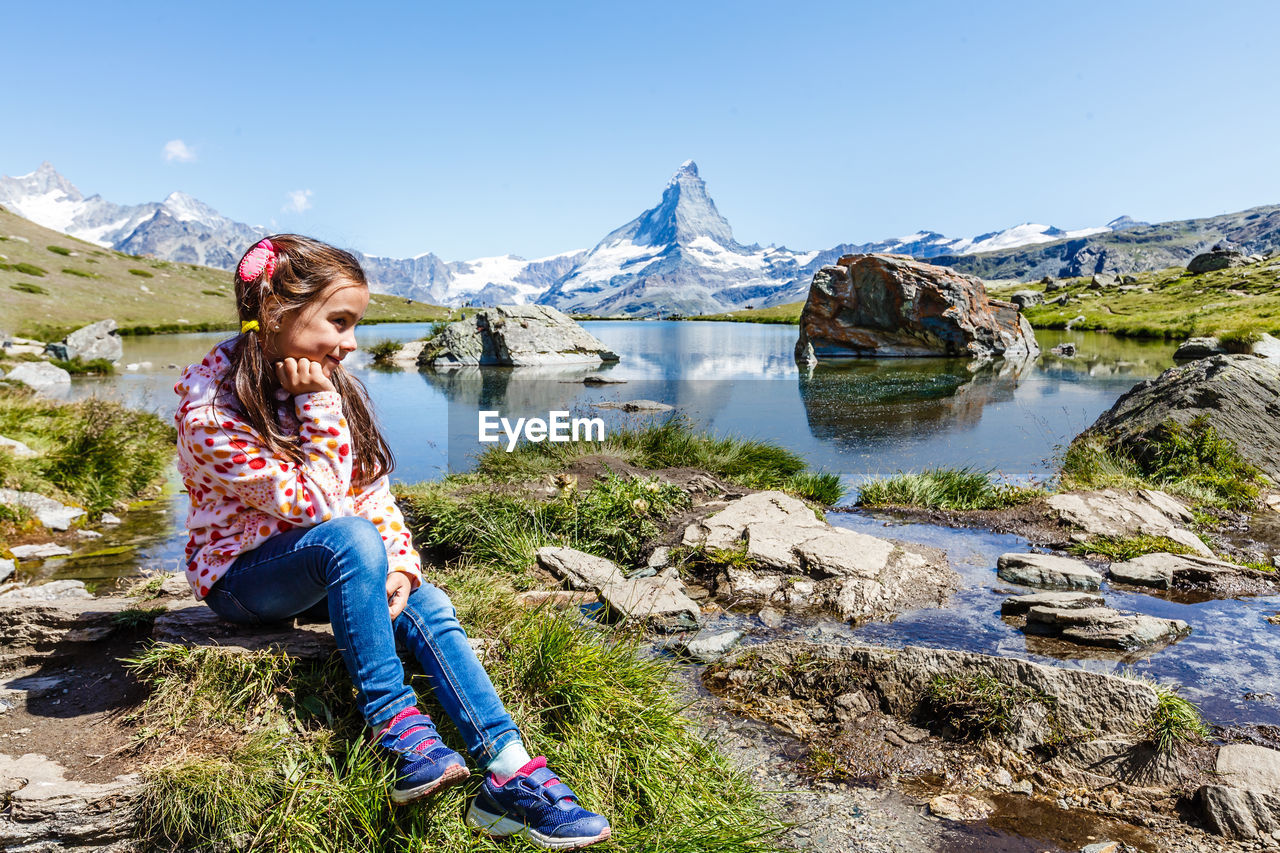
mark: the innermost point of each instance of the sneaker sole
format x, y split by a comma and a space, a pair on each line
504, 827
452, 776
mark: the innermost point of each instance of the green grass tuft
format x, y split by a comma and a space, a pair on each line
978, 706
29, 269
77, 365
383, 350
1190, 461
946, 488
1119, 549
80, 273
59, 250
1174, 721
141, 273
28, 287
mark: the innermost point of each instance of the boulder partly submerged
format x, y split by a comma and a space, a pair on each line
514, 336
790, 557
894, 306
1238, 395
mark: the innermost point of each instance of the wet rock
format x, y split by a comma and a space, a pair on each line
601, 379
47, 511
1047, 570
39, 375
51, 591
1103, 847
1174, 571
800, 561
1239, 394
961, 807
1113, 512
17, 448
7, 568
770, 618
47, 811
726, 529
892, 305
110, 518
707, 646
1217, 259
658, 601
41, 551
197, 625
1105, 627
408, 354
1194, 348
1026, 298
1067, 350
516, 336
635, 406
98, 340
1018, 605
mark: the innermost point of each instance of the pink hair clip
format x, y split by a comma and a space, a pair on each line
260, 257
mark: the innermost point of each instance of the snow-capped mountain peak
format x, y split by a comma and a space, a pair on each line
185, 208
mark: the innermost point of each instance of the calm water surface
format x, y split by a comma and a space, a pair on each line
861, 419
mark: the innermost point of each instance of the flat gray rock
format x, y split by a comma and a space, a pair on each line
199, 626
1105, 627
47, 811
1179, 571
7, 568
97, 340
17, 448
1017, 605
50, 513
635, 406
1117, 513
708, 646
658, 601
1047, 570
515, 336
727, 528
39, 375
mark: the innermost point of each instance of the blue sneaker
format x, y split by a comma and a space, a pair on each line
535, 804
424, 764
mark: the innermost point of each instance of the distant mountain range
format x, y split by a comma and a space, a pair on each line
679, 256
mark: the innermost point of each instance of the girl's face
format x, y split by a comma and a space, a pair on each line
323, 330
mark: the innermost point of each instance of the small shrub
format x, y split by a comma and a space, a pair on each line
77, 365
58, 250
383, 350
1239, 340
136, 617
141, 273
29, 269
1175, 720
81, 273
218, 293
28, 287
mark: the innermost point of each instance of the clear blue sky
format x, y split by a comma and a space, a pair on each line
535, 128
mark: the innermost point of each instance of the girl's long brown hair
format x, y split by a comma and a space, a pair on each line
304, 268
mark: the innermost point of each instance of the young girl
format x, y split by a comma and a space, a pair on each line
291, 509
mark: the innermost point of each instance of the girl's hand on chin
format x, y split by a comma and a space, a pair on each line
302, 376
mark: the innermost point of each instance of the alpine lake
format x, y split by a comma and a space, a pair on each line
860, 419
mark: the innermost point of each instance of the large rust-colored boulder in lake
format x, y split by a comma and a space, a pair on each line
894, 306
1238, 394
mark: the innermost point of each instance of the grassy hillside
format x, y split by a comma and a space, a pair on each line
52, 283
788, 313
1169, 303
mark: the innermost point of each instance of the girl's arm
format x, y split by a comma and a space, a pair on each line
230, 458
378, 505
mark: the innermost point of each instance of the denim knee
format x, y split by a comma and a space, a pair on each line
355, 543
431, 604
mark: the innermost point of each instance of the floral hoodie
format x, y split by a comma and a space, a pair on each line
242, 494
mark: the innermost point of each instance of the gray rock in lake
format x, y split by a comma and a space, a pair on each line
515, 336
1175, 571
39, 375
1105, 627
98, 340
1048, 570
1018, 605
1239, 394
1066, 350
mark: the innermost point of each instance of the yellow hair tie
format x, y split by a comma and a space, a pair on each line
248, 326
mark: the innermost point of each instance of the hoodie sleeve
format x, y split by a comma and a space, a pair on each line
231, 458
378, 505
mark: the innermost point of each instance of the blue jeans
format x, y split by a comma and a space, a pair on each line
345, 561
